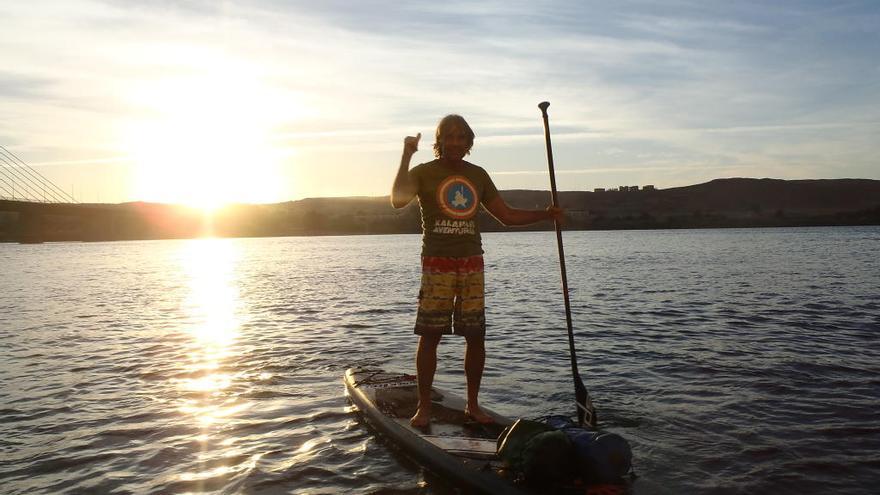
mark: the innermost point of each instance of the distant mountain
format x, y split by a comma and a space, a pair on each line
737, 202
716, 204
748, 196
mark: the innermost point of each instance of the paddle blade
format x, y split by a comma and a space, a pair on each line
586, 413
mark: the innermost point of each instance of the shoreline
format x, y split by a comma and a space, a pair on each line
513, 231
721, 203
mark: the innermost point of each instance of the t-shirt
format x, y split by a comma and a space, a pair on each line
449, 199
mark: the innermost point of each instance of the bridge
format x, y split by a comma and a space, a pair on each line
34, 210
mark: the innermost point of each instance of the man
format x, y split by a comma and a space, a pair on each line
450, 191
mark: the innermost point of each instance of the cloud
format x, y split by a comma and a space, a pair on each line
631, 83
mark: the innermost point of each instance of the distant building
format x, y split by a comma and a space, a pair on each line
649, 187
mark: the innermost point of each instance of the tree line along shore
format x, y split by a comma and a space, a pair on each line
721, 203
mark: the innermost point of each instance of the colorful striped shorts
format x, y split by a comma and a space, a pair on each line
451, 296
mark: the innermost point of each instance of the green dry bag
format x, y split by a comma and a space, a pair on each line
537, 451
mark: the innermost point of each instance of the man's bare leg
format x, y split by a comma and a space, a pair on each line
474, 361
426, 365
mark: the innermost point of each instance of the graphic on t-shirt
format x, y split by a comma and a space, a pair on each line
457, 197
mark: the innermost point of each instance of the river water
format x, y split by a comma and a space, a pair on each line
734, 361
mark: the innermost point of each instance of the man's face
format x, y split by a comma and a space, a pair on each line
455, 143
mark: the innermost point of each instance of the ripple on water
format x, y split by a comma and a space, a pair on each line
731, 365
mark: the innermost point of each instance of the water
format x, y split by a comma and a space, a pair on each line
735, 361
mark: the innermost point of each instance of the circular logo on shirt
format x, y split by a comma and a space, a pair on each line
457, 197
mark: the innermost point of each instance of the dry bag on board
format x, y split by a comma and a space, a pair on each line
601, 456
555, 449
537, 451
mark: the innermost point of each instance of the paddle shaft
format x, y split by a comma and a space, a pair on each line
581, 395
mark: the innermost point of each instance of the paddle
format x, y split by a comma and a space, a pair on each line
585, 410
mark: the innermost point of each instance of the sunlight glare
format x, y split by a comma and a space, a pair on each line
308, 445
205, 137
207, 474
213, 307
209, 414
208, 383
213, 301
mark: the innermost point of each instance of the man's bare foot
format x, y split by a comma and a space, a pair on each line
477, 414
421, 419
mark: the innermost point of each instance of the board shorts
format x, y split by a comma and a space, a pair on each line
451, 297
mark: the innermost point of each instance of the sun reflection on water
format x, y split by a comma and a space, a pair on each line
214, 299
213, 321
213, 312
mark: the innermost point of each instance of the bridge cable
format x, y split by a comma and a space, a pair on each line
11, 191
63, 198
40, 182
26, 188
36, 179
21, 181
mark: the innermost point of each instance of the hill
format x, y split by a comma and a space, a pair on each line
731, 203
719, 203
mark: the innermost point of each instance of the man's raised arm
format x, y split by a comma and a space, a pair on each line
404, 190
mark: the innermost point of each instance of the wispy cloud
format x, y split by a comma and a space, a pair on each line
683, 91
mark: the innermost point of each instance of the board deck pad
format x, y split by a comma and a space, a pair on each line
396, 396
464, 445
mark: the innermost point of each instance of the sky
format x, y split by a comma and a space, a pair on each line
207, 102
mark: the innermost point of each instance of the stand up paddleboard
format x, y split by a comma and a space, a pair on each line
453, 446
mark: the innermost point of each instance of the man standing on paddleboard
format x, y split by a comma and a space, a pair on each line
450, 191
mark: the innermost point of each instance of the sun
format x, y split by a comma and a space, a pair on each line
204, 139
